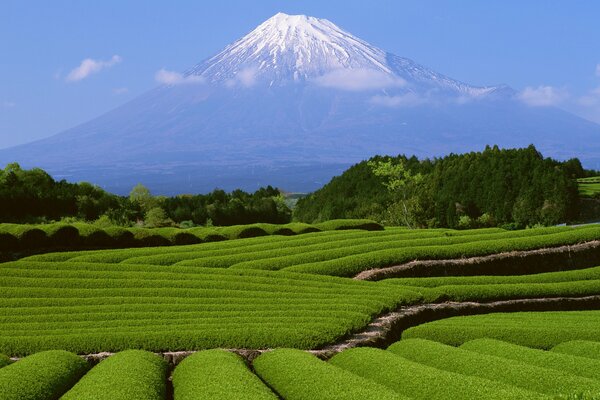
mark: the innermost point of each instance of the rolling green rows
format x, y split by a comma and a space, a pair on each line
525, 376
129, 375
580, 366
589, 187
370, 246
17, 237
579, 348
297, 375
576, 283
421, 381
217, 375
541, 330
353, 264
341, 255
87, 308
547, 277
45, 375
218, 248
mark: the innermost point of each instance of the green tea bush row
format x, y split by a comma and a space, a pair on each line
129, 375
59, 235
91, 307
353, 264
541, 330
580, 366
579, 348
542, 380
420, 381
45, 375
297, 375
217, 375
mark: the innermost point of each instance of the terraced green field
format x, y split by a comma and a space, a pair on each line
589, 187
294, 293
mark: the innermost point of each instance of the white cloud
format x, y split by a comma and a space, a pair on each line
405, 100
8, 104
247, 77
175, 78
121, 90
359, 80
90, 66
598, 69
543, 96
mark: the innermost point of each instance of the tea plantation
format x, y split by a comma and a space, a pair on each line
289, 316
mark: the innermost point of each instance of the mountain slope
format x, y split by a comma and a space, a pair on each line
290, 104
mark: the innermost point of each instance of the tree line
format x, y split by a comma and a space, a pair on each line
33, 196
513, 188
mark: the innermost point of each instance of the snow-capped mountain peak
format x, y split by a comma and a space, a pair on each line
299, 48
293, 47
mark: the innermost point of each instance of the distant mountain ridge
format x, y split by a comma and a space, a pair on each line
291, 104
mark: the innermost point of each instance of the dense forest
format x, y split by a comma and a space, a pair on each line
512, 188
33, 196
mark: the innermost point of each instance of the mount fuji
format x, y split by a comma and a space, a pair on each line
291, 104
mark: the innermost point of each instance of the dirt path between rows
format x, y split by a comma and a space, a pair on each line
562, 258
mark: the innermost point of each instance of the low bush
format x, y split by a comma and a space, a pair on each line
4, 360
541, 330
497, 369
129, 375
420, 381
45, 375
217, 375
580, 366
298, 375
580, 348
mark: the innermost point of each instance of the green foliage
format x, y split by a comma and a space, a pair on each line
541, 330
129, 375
420, 381
580, 348
580, 366
589, 187
45, 375
537, 379
349, 262
156, 217
217, 375
93, 307
508, 186
297, 375
4, 360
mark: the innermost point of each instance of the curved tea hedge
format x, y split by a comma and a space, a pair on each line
581, 366
529, 377
129, 375
28, 238
580, 348
297, 375
217, 375
45, 375
541, 330
88, 308
421, 381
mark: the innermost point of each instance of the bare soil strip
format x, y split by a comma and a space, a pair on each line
562, 258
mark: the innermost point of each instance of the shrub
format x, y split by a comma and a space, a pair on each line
217, 375
45, 375
297, 375
420, 381
448, 358
129, 375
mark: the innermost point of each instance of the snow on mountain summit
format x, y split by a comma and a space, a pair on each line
293, 47
299, 48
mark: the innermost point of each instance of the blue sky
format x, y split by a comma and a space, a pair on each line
548, 50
